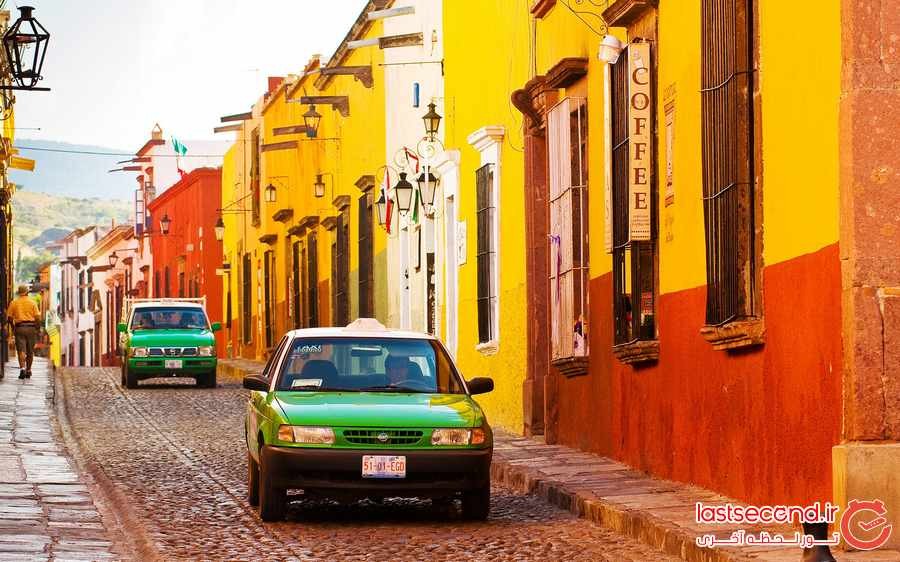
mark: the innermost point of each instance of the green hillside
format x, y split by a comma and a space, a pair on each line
35, 213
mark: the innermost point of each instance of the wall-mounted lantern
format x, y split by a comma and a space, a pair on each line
271, 194
381, 209
219, 229
25, 43
311, 119
428, 184
164, 224
319, 186
113, 259
432, 121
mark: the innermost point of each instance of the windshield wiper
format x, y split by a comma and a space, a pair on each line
387, 388
322, 388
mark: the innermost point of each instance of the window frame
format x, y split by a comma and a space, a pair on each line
731, 157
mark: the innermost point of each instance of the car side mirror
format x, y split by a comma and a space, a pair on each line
480, 385
216, 326
121, 327
256, 382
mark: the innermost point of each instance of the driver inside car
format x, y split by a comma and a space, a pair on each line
396, 368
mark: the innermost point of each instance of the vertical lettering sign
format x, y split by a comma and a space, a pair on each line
640, 136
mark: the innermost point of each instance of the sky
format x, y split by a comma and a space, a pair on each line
116, 67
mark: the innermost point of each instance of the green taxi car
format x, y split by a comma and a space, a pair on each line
365, 412
167, 338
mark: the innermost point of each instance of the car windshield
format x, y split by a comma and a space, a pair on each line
170, 318
368, 365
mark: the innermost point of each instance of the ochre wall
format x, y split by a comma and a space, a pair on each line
478, 84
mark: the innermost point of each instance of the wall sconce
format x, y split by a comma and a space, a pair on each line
428, 184
311, 119
610, 49
381, 209
271, 194
25, 43
219, 229
113, 259
164, 224
432, 121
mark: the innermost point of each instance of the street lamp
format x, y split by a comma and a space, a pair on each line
427, 186
164, 224
25, 43
219, 229
311, 119
432, 121
404, 192
381, 208
113, 259
319, 186
270, 193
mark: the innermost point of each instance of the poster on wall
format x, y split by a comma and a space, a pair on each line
640, 135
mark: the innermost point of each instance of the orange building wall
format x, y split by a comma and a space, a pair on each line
756, 425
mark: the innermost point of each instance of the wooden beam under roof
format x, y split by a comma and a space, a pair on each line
237, 117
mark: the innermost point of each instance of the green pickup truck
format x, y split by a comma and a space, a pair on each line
167, 338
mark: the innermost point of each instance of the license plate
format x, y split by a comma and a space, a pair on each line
383, 466
173, 363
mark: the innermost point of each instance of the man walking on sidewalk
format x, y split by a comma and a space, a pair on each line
24, 315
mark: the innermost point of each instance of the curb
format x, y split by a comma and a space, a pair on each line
635, 524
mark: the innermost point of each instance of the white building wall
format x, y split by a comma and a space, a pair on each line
407, 296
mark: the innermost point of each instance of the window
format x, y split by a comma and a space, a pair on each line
312, 280
366, 251
728, 160
569, 252
81, 292
341, 270
181, 283
269, 295
634, 302
254, 176
246, 299
486, 254
295, 284
168, 282
156, 284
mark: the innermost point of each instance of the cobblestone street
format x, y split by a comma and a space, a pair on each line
177, 461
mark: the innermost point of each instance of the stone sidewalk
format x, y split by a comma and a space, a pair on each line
611, 494
46, 510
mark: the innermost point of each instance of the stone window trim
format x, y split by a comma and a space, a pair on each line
636, 352
488, 141
572, 366
737, 334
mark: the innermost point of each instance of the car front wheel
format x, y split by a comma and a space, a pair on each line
131, 380
252, 480
477, 503
272, 499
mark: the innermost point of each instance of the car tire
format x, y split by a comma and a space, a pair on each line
252, 480
131, 380
272, 499
207, 380
477, 503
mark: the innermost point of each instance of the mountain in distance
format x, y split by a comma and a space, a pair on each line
73, 173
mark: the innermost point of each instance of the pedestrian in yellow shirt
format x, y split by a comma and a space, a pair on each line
24, 315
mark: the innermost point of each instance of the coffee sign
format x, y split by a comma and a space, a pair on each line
640, 136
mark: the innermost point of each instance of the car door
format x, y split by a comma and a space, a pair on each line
258, 407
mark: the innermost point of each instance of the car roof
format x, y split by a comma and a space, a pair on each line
362, 328
168, 305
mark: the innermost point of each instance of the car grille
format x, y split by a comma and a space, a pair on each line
383, 436
173, 352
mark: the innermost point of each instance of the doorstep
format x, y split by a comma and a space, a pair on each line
657, 512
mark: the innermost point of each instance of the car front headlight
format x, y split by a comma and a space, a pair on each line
207, 351
139, 351
450, 437
306, 434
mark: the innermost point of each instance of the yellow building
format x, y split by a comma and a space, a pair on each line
301, 233
483, 189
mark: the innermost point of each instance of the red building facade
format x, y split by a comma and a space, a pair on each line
185, 258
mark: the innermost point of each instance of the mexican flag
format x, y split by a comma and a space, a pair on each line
180, 150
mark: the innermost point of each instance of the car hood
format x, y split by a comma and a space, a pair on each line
379, 409
171, 338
